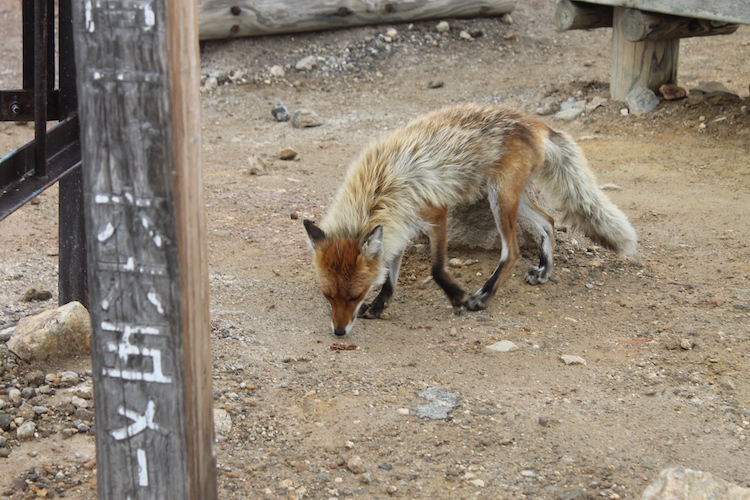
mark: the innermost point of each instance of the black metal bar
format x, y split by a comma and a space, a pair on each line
28, 44
18, 105
72, 265
40, 87
64, 156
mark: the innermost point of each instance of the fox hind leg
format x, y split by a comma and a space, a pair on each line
544, 224
375, 308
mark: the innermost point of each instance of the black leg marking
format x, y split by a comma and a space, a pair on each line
455, 293
375, 308
478, 300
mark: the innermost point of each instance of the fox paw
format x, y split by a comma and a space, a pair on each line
369, 312
537, 275
477, 302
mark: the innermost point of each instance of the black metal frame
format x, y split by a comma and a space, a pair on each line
55, 154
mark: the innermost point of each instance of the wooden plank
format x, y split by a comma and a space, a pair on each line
148, 284
571, 15
237, 18
730, 11
648, 63
638, 26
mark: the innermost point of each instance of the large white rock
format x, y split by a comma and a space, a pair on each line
688, 484
54, 334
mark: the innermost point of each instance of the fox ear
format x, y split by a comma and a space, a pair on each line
372, 244
315, 235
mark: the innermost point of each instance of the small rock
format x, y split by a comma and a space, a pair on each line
686, 344
355, 464
280, 113
714, 87
528, 473
306, 63
391, 33
5, 420
287, 154
26, 431
36, 294
255, 166
4, 452
79, 402
34, 378
543, 420
435, 84
464, 35
68, 379
596, 102
222, 422
277, 71
672, 92
443, 27
573, 360
303, 118
391, 489
641, 100
503, 346
505, 18
568, 115
479, 483
441, 404
403, 411
14, 396
6, 334
211, 83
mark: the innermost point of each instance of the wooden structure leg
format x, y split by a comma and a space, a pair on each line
138, 72
649, 63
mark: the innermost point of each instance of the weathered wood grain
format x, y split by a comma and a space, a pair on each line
647, 63
572, 15
638, 26
730, 11
148, 286
238, 18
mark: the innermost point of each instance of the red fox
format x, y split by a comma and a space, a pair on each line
406, 183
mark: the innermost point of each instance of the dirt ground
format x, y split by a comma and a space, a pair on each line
665, 334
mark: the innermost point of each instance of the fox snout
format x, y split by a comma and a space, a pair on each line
343, 315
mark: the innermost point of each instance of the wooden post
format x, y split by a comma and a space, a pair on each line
650, 63
235, 18
571, 15
138, 71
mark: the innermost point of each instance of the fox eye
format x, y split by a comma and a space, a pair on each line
357, 298
328, 297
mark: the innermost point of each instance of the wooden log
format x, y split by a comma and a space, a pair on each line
571, 15
238, 18
638, 26
730, 11
137, 73
650, 63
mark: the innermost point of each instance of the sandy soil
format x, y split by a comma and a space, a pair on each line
665, 335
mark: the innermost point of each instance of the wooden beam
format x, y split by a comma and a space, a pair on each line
238, 18
650, 63
137, 73
638, 26
571, 15
730, 11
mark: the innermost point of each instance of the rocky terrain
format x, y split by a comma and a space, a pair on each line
613, 371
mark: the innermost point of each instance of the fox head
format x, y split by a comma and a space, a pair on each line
346, 269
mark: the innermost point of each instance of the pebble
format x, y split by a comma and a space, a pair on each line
280, 113
641, 100
671, 92
79, 402
568, 115
14, 396
441, 404
306, 63
68, 378
5, 420
443, 27
211, 83
543, 420
303, 118
26, 431
222, 422
503, 346
435, 84
287, 154
572, 360
528, 473
277, 71
355, 464
465, 36
6, 334
686, 344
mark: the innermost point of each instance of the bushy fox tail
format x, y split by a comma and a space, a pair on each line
566, 177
